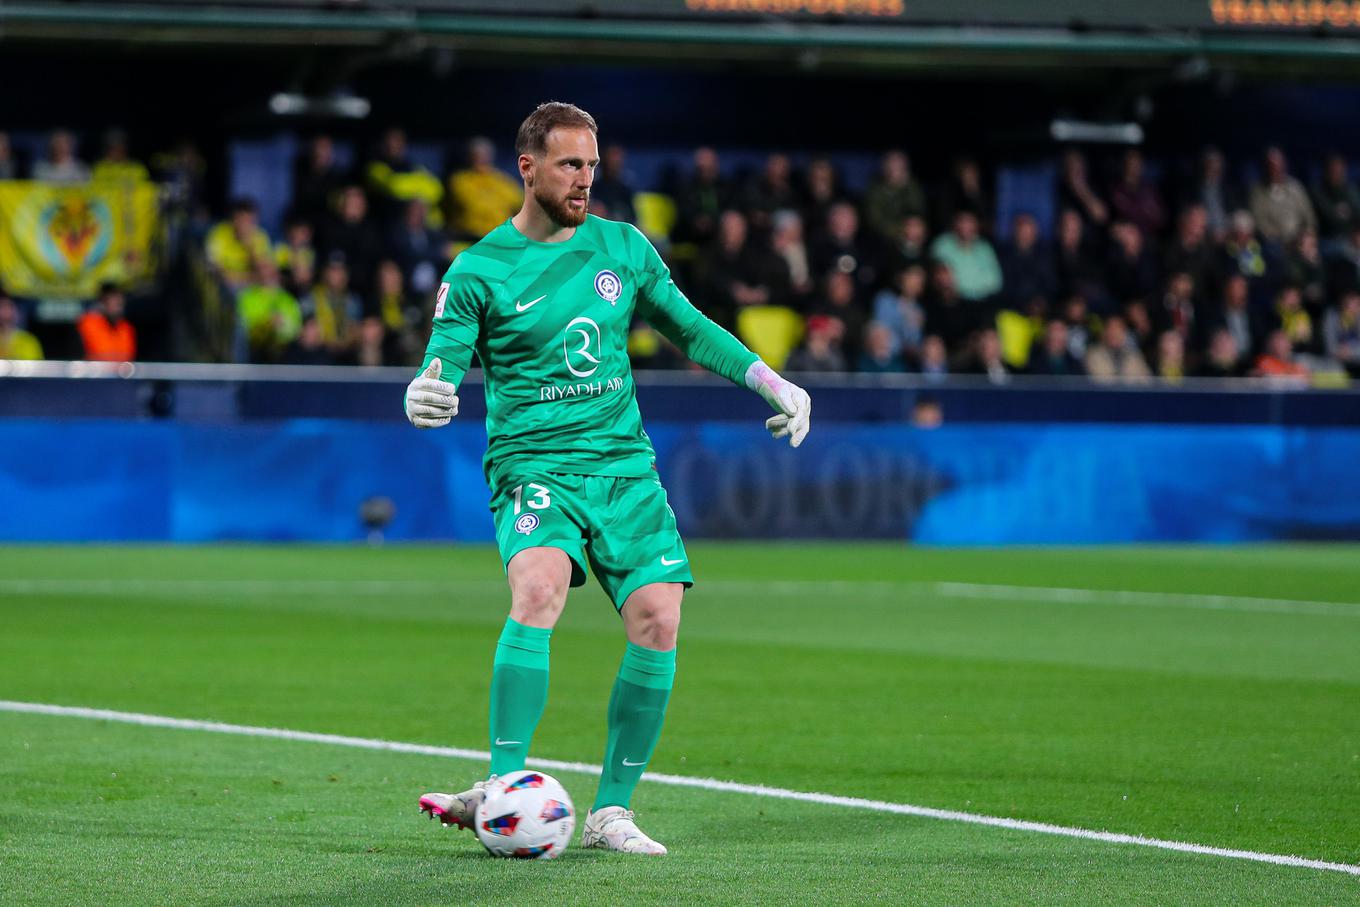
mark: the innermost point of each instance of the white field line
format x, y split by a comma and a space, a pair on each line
976, 591
758, 790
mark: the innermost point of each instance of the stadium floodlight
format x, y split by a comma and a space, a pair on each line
346, 106
1106, 133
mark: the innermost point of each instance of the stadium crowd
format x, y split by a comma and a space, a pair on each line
1141, 279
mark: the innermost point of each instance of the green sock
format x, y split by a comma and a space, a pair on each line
637, 708
519, 690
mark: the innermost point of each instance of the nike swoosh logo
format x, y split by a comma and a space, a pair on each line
667, 563
500, 742
633, 764
522, 306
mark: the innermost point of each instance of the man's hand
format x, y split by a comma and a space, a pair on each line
430, 402
792, 404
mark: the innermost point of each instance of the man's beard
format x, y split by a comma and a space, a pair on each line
560, 211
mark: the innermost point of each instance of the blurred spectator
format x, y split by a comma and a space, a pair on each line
1212, 192
1171, 357
1279, 202
1138, 322
1293, 319
769, 192
1235, 316
317, 180
977, 273
9, 169
1242, 253
1191, 250
310, 347
1177, 311
1078, 267
106, 335
1336, 200
839, 303
15, 342
946, 313
1224, 359
1341, 333
738, 271
899, 310
933, 363
841, 247
61, 164
116, 166
1134, 198
894, 195
878, 356
269, 315
352, 234
1277, 359
236, 246
393, 180
926, 413
1026, 264
821, 347
788, 242
421, 252
334, 307
401, 318
1132, 271
612, 185
911, 245
1116, 358
1051, 355
1343, 273
1075, 192
481, 197
1081, 326
963, 191
984, 358
700, 199
820, 191
296, 255
1306, 269
180, 171
372, 337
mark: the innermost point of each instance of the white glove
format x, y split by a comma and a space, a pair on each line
791, 403
430, 402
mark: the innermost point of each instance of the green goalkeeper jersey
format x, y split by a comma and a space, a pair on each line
550, 322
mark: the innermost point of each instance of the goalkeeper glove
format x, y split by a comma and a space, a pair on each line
793, 406
430, 402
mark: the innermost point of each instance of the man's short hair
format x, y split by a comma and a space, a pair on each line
532, 137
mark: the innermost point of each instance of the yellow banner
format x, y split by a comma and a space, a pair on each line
63, 241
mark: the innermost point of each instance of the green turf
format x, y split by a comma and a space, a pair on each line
849, 675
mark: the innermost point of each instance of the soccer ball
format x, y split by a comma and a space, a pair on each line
527, 815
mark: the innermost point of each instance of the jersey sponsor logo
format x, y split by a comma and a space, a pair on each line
526, 523
608, 285
526, 306
440, 299
581, 347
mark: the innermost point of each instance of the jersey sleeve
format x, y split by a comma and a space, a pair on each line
665, 308
459, 304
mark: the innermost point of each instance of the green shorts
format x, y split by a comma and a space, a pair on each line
622, 526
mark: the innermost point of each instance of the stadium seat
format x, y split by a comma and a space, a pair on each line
771, 331
655, 213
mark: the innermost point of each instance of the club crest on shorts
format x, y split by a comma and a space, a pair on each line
527, 523
608, 285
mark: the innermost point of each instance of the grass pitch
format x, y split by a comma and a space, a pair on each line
1225, 712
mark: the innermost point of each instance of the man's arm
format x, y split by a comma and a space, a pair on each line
667, 309
431, 399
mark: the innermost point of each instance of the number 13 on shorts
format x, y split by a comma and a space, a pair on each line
538, 497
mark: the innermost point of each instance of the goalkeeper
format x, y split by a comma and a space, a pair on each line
545, 300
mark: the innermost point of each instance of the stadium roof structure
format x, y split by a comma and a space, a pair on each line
1317, 37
